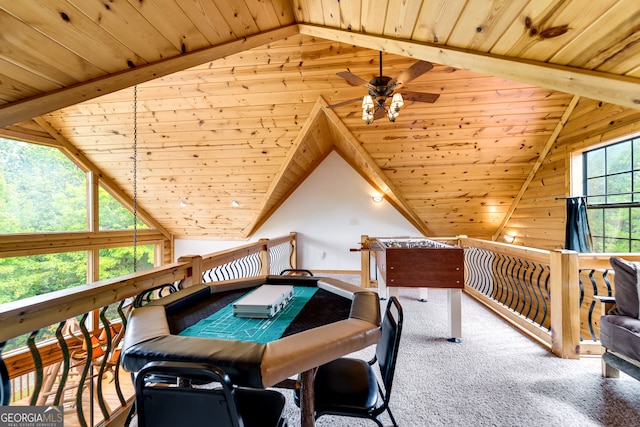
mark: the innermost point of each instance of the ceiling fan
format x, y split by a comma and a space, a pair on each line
383, 87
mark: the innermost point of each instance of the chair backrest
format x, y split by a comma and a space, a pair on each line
387, 348
165, 396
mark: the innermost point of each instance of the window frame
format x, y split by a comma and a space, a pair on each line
580, 183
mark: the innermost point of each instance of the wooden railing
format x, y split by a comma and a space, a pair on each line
548, 295
89, 322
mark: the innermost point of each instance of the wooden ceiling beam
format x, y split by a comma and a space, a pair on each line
38, 105
615, 89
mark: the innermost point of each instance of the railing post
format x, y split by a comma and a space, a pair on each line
293, 260
365, 257
264, 257
565, 306
196, 269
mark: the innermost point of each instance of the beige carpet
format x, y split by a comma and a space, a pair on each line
494, 377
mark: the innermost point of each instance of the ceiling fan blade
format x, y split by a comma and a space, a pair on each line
416, 70
352, 79
379, 113
340, 104
419, 96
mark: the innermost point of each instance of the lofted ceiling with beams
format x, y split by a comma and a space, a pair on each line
234, 99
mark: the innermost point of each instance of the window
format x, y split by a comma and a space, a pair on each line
612, 186
41, 190
44, 193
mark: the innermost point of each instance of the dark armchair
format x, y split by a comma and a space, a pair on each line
620, 327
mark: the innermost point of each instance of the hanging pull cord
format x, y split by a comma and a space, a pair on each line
135, 178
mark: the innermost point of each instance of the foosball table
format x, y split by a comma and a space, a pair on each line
422, 263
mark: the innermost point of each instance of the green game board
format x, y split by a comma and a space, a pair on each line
224, 325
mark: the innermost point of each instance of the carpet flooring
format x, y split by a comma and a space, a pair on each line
494, 377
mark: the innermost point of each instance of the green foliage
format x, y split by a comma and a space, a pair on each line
41, 190
613, 177
116, 262
114, 216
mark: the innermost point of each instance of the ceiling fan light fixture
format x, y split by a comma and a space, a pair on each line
367, 102
397, 101
394, 109
367, 109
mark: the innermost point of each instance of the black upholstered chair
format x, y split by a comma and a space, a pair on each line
193, 394
348, 386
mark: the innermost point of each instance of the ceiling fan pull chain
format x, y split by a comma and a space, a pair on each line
135, 178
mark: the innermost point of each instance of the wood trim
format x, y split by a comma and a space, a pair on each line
620, 90
564, 297
35, 106
30, 314
531, 254
14, 245
543, 154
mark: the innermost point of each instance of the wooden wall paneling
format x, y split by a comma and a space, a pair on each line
350, 14
72, 28
594, 47
61, 66
266, 14
310, 147
401, 18
481, 24
170, 20
129, 27
437, 19
374, 15
26, 109
538, 164
17, 82
210, 22
611, 88
557, 16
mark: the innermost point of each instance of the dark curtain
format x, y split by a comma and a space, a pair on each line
577, 235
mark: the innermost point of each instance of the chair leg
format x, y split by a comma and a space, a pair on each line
393, 420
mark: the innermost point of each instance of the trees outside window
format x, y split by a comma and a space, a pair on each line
612, 186
43, 191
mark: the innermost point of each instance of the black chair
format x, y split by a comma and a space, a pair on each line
194, 394
348, 387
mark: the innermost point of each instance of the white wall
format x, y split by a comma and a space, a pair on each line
330, 210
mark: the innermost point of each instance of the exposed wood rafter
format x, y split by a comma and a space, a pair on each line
537, 164
616, 89
26, 109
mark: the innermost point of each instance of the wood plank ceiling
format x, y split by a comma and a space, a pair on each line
232, 97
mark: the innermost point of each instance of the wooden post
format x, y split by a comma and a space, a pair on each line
196, 269
565, 304
294, 250
365, 260
264, 257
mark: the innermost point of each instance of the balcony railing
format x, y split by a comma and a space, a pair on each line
548, 295
72, 352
